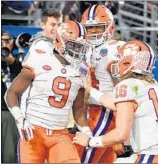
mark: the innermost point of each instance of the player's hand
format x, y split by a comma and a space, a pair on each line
118, 148
25, 129
81, 139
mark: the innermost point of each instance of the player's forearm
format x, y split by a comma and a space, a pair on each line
80, 117
83, 118
82, 123
113, 137
11, 98
105, 99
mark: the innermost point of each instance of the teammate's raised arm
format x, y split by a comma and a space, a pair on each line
105, 99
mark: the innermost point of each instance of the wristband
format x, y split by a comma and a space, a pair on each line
84, 129
96, 142
16, 112
95, 94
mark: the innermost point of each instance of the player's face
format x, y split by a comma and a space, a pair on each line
50, 27
6, 41
95, 29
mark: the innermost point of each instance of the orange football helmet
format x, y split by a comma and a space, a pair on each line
99, 23
71, 42
134, 56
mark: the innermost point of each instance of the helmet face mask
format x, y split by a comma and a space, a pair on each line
71, 42
98, 33
95, 33
99, 24
74, 51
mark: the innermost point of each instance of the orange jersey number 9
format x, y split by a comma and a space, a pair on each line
153, 97
61, 87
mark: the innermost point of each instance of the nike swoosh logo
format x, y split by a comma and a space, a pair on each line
98, 59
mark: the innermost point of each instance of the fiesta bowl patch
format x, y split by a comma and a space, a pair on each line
103, 52
47, 67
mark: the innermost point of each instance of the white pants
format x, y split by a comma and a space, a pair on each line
130, 159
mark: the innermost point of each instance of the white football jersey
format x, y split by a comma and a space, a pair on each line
144, 133
105, 54
51, 93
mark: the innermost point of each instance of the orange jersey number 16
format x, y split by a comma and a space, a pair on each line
153, 97
121, 91
61, 87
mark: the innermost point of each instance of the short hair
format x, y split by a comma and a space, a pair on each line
5, 32
50, 12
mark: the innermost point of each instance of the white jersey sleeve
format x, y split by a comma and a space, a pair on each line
126, 90
36, 54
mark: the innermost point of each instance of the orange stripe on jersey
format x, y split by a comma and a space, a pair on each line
31, 69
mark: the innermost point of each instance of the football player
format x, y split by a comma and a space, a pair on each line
54, 89
136, 102
99, 24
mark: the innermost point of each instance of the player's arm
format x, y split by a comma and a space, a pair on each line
80, 112
124, 99
18, 86
105, 99
126, 104
124, 120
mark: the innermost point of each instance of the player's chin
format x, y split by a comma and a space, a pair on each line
52, 36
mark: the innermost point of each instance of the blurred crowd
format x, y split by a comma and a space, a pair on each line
70, 9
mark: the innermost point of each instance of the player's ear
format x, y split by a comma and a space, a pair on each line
42, 24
